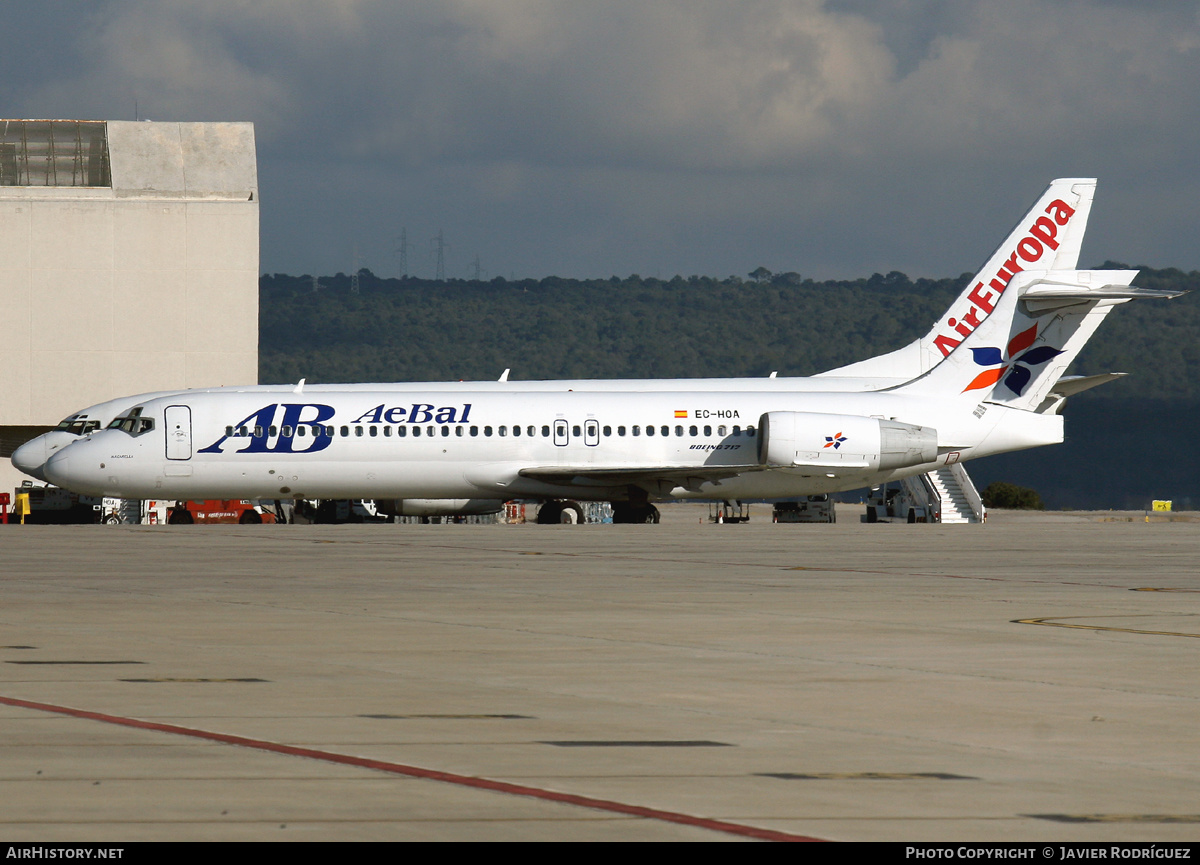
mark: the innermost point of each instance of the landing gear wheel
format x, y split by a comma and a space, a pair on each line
571, 514
550, 514
627, 513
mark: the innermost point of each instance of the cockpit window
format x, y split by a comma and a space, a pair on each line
133, 423
78, 424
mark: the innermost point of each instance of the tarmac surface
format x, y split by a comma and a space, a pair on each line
1031, 679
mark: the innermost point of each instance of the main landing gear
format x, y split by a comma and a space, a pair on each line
552, 513
624, 512
571, 513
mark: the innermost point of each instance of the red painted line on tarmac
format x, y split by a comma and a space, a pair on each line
418, 772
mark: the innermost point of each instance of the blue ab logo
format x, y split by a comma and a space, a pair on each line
261, 422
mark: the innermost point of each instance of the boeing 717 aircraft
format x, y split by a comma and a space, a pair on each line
889, 369
988, 378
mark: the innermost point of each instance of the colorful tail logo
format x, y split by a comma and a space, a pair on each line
1020, 374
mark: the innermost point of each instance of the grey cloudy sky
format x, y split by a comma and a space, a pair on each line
604, 137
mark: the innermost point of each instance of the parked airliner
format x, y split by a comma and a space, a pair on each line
889, 369
987, 378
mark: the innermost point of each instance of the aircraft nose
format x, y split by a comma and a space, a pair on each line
69, 471
31, 457
58, 469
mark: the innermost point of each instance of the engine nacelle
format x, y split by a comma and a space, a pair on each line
842, 443
438, 507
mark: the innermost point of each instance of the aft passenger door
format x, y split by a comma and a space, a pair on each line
177, 421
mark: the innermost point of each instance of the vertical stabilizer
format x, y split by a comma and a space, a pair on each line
1048, 237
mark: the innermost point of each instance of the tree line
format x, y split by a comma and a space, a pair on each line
410, 329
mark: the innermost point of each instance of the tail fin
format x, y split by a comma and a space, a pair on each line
1033, 333
1048, 238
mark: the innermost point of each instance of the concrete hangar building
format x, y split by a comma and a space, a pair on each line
128, 263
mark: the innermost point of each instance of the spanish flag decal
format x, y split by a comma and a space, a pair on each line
681, 414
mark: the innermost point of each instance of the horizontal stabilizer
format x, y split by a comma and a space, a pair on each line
1103, 292
1069, 385
1045, 296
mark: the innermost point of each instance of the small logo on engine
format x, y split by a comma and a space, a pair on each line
834, 441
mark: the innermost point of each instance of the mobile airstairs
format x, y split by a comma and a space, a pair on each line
943, 496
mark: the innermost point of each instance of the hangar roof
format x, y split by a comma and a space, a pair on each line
172, 160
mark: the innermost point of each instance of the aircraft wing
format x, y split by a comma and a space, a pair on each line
688, 477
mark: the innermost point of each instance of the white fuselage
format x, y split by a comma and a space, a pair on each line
461, 443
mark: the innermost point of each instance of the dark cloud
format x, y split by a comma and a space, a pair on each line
834, 138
